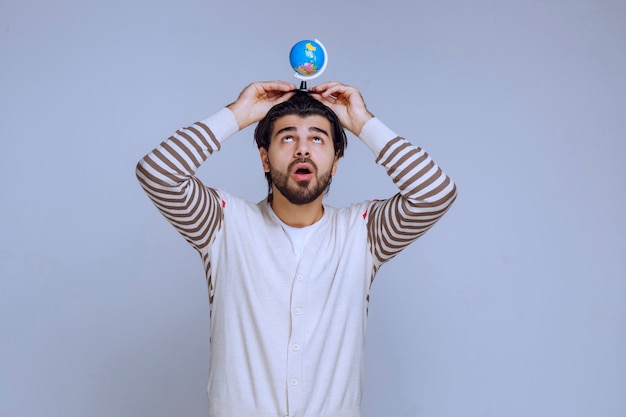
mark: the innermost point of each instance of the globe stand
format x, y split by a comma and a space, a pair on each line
303, 86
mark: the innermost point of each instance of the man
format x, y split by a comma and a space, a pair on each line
289, 277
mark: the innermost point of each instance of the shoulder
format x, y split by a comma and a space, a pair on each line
354, 213
231, 201
245, 214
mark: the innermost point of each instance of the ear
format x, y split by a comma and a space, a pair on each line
264, 159
335, 163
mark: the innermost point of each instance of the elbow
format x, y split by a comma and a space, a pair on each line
139, 170
450, 195
453, 192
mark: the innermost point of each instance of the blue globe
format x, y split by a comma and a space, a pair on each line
308, 58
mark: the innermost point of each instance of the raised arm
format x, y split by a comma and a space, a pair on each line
425, 191
167, 172
425, 195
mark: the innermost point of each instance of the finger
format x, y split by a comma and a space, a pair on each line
331, 101
335, 89
325, 89
278, 86
326, 85
323, 99
258, 90
280, 98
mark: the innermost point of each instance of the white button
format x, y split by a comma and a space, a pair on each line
294, 382
296, 347
300, 277
297, 311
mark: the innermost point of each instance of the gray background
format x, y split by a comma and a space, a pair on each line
513, 305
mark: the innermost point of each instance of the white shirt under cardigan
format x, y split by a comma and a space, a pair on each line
288, 325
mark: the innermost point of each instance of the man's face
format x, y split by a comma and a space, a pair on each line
301, 157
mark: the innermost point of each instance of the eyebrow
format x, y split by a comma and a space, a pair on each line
293, 129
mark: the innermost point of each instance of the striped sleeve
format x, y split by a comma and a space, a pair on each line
425, 193
167, 176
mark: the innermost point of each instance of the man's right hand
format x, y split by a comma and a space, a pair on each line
257, 99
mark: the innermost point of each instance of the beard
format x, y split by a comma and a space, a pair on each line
301, 192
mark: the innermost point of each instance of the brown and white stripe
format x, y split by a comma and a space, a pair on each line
166, 174
425, 195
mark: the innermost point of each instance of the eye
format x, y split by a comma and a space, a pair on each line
317, 140
287, 139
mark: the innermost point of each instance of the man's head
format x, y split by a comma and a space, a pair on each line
303, 107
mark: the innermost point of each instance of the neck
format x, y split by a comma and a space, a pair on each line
297, 215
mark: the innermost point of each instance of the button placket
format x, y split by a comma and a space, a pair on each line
294, 352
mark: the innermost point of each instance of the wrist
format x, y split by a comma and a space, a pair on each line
239, 115
222, 124
360, 122
375, 135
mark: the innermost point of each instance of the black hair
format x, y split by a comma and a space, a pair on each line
301, 104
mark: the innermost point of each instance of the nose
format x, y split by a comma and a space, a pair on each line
302, 150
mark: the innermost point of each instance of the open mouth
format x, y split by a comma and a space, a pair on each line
302, 172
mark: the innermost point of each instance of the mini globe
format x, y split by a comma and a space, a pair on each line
308, 58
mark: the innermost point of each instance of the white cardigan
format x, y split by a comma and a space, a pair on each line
288, 332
